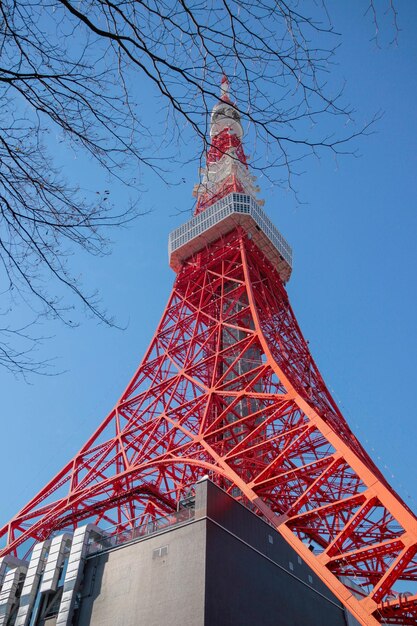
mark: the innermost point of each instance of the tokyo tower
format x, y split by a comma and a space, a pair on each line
228, 389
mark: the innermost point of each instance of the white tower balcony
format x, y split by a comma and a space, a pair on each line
235, 209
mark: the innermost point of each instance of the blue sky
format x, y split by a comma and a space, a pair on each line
353, 289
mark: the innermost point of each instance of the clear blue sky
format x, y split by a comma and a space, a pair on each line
354, 287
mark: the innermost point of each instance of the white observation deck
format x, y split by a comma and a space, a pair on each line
235, 209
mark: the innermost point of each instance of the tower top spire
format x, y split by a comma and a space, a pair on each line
225, 87
226, 168
225, 116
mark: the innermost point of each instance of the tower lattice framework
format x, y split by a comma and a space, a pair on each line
229, 389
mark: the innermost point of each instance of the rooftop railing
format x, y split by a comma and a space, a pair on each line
141, 531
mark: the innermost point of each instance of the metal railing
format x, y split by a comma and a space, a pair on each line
232, 203
115, 539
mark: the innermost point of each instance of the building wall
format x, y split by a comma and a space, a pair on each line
142, 584
243, 588
225, 568
254, 578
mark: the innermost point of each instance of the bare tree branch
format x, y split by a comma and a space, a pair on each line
73, 68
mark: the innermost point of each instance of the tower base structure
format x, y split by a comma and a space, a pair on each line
213, 563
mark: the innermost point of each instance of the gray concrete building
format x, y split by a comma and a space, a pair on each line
214, 563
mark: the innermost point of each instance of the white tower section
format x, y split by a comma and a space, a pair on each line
226, 168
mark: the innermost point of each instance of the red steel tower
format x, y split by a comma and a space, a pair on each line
229, 389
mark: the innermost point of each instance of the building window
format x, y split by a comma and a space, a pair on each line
159, 552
